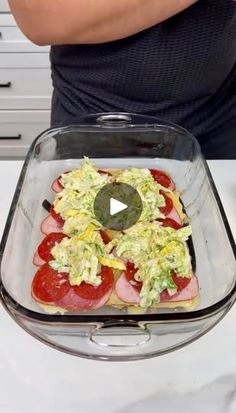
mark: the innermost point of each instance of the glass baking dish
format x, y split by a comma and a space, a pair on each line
116, 141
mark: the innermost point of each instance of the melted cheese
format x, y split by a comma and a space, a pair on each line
114, 301
52, 309
177, 205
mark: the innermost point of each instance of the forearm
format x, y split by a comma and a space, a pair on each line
90, 21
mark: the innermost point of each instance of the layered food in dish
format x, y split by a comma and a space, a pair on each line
83, 266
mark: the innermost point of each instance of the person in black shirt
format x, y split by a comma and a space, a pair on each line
174, 59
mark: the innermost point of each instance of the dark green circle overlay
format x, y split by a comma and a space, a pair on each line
123, 193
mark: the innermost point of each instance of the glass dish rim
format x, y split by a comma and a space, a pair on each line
85, 318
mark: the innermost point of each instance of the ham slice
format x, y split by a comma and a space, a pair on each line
188, 293
130, 295
125, 291
102, 301
175, 216
50, 225
73, 302
37, 260
56, 187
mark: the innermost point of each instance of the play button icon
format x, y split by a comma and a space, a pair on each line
118, 206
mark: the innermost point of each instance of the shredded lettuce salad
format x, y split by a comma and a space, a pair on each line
82, 257
156, 251
148, 189
75, 202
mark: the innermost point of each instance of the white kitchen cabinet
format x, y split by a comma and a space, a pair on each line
25, 102
24, 60
4, 6
25, 81
18, 129
25, 88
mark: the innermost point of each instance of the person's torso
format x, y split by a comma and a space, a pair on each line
173, 70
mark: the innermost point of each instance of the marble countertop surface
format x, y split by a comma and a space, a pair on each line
198, 378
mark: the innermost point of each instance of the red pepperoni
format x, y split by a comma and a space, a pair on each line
56, 216
169, 222
162, 178
48, 285
88, 291
130, 273
105, 237
44, 249
168, 204
100, 171
180, 282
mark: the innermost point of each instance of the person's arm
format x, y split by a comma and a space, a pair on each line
90, 21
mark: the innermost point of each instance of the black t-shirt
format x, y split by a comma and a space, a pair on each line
182, 70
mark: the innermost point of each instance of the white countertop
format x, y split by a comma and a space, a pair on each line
198, 378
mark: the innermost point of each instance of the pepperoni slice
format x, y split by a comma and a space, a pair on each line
44, 249
130, 273
56, 216
100, 171
105, 237
162, 178
48, 285
180, 282
88, 291
169, 222
168, 204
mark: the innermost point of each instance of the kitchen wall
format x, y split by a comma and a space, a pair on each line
25, 88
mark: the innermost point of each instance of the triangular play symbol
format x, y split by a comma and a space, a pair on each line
116, 206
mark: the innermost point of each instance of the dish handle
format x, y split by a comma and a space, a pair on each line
117, 120
120, 335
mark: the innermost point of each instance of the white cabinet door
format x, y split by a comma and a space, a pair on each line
12, 40
33, 83
25, 81
4, 5
21, 60
18, 129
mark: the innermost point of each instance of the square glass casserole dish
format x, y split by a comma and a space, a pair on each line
119, 141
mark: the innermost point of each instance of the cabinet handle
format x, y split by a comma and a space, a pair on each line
0, 35
7, 84
11, 137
